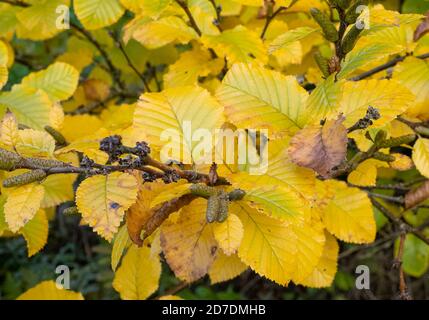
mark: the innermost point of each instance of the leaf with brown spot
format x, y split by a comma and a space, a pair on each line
189, 245
422, 28
417, 196
320, 148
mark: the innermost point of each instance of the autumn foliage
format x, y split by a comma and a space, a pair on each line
337, 99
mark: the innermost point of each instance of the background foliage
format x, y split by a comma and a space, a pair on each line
75, 96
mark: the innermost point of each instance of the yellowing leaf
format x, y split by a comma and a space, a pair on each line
320, 148
47, 290
267, 195
79, 126
31, 107
349, 214
237, 45
120, 244
35, 233
402, 162
188, 244
228, 234
364, 175
9, 130
421, 156
173, 116
323, 100
96, 14
102, 200
138, 276
324, 273
22, 204
413, 73
158, 33
150, 8
190, 66
39, 21
56, 116
389, 97
4, 57
225, 268
170, 193
277, 100
289, 37
59, 81
277, 249
140, 212
58, 189
35, 143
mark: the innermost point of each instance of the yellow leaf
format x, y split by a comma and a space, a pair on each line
58, 189
22, 204
4, 57
228, 234
170, 193
413, 73
96, 14
56, 116
277, 100
190, 67
170, 297
176, 115
389, 97
277, 249
79, 126
267, 195
349, 214
8, 19
102, 200
280, 167
138, 276
9, 131
237, 45
150, 8
402, 162
204, 14
421, 156
140, 212
188, 244
323, 100
121, 243
39, 21
59, 81
364, 175
47, 290
289, 37
35, 233
324, 273
225, 268
31, 107
158, 33
35, 143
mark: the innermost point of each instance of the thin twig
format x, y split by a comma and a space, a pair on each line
385, 66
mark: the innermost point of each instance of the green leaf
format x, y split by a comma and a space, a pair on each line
415, 259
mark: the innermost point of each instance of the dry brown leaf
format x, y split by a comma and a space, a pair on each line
417, 196
96, 90
320, 148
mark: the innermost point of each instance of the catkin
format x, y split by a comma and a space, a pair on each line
396, 142
322, 63
223, 207
59, 138
353, 13
202, 190
329, 30
25, 178
350, 39
383, 157
213, 205
9, 160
